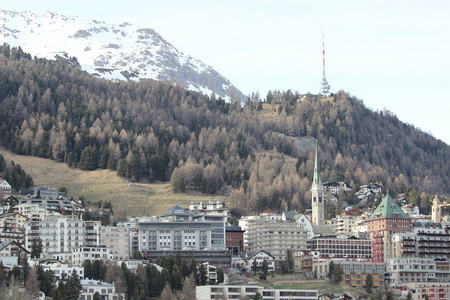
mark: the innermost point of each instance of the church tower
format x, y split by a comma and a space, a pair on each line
317, 195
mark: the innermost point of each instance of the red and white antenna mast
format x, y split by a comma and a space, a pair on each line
324, 86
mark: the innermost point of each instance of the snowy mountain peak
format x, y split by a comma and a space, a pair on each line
116, 52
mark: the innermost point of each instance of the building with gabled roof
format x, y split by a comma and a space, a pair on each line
388, 218
257, 258
5, 186
12, 248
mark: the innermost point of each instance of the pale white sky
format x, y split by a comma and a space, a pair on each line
390, 54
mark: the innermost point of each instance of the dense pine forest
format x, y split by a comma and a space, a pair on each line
158, 131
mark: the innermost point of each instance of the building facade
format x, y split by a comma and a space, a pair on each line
118, 240
62, 233
386, 220
234, 239
342, 247
355, 271
275, 237
207, 292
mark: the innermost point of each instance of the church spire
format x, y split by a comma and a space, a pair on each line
317, 194
317, 180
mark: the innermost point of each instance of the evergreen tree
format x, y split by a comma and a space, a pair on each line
202, 274
338, 274
46, 281
220, 276
369, 284
36, 248
257, 296
409, 297
73, 286
265, 267
290, 261
87, 266
331, 269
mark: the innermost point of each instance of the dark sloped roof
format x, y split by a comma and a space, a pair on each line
289, 214
234, 228
177, 211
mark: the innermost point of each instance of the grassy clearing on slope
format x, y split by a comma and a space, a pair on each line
136, 199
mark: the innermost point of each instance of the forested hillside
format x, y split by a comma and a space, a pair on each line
151, 130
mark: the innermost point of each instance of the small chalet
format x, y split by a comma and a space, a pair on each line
259, 257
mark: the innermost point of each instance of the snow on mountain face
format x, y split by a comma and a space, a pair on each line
110, 51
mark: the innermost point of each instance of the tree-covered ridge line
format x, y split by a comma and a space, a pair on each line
154, 130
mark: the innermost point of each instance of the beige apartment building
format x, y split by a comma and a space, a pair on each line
275, 237
118, 239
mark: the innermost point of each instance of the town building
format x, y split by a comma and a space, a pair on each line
432, 290
234, 240
118, 239
210, 207
303, 260
368, 190
59, 269
207, 292
44, 193
63, 206
413, 269
275, 237
62, 233
386, 220
107, 291
342, 224
426, 240
257, 258
5, 187
11, 248
355, 271
34, 212
7, 202
16, 236
13, 221
182, 232
342, 247
81, 254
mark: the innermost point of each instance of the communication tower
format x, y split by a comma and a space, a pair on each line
324, 86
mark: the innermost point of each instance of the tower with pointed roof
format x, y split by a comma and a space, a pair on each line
317, 195
388, 218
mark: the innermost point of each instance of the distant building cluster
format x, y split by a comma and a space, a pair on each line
392, 245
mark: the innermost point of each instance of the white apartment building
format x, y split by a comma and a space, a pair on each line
411, 269
34, 212
210, 207
106, 290
178, 229
207, 292
81, 254
62, 233
275, 237
258, 258
62, 271
118, 239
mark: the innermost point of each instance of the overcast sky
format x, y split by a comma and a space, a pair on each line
390, 54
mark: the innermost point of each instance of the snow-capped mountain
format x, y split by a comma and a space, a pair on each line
110, 51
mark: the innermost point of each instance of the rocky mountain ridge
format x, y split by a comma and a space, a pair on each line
115, 52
